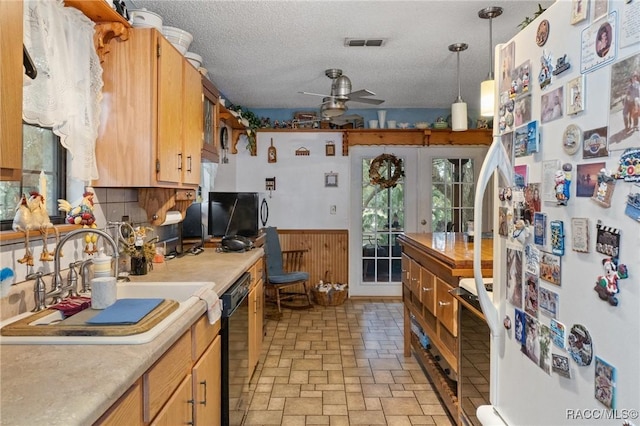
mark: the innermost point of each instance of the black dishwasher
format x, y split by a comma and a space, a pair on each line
235, 352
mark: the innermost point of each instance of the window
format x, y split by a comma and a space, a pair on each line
453, 194
41, 151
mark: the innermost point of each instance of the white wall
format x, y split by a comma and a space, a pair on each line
301, 200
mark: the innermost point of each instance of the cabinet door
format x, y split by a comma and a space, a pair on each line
416, 290
127, 410
192, 125
170, 107
207, 385
447, 307
259, 308
11, 88
406, 276
428, 290
210, 142
253, 331
179, 408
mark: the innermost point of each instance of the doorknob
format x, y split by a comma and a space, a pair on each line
423, 222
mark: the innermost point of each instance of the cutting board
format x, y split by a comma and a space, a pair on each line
76, 325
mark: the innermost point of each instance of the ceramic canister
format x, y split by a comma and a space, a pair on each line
103, 292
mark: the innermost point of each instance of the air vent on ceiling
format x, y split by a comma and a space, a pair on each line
361, 42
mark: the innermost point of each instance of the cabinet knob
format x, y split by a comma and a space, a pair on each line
441, 303
426, 289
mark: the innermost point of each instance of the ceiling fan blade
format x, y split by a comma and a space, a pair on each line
366, 100
360, 93
316, 94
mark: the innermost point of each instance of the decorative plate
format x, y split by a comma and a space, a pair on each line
543, 33
572, 139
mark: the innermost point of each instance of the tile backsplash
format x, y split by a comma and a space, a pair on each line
111, 204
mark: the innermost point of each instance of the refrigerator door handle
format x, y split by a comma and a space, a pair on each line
496, 158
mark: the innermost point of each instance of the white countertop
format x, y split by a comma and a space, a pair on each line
75, 384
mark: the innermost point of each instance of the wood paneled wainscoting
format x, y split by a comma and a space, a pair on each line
328, 250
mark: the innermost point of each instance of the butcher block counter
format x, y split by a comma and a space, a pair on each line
432, 266
76, 384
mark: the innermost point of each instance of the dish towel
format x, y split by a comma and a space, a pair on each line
214, 306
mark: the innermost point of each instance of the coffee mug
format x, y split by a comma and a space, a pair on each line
373, 124
391, 124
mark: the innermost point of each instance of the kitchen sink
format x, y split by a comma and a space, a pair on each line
179, 297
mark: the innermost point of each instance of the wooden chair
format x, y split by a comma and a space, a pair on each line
284, 280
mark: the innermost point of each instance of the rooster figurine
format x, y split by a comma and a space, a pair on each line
83, 215
31, 214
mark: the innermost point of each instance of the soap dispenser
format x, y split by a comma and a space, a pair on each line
102, 265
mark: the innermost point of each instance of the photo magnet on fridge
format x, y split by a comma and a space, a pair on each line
540, 228
557, 237
580, 345
605, 383
558, 331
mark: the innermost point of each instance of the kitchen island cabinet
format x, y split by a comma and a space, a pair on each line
432, 266
31, 374
151, 125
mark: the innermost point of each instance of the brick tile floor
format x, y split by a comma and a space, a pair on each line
341, 365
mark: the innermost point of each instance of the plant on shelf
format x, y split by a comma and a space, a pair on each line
528, 20
251, 122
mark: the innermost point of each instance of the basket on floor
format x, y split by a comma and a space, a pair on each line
330, 294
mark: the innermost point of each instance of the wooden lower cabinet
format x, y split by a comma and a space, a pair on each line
206, 375
128, 409
179, 408
256, 315
182, 387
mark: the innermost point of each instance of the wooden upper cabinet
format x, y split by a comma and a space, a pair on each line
193, 124
11, 89
151, 115
210, 122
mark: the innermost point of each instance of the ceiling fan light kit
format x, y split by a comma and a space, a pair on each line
459, 107
488, 87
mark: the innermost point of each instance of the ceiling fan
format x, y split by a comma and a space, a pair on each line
334, 105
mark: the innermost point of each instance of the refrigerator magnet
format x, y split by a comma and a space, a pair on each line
605, 383
571, 139
603, 191
580, 234
557, 237
580, 345
607, 284
607, 240
561, 365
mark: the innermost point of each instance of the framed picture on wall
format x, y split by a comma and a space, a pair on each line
331, 180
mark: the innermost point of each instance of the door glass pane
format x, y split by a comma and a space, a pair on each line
382, 221
453, 192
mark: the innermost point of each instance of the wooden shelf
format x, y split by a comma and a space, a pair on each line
97, 11
411, 137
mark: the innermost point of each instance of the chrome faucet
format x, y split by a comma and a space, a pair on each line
57, 285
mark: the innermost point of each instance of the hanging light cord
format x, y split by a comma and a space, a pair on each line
490, 77
459, 99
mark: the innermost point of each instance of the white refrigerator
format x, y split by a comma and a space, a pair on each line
565, 315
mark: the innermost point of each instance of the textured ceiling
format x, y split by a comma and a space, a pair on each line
260, 54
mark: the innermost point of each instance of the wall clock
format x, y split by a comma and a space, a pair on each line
224, 138
224, 143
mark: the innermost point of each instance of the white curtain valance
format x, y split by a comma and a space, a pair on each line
67, 91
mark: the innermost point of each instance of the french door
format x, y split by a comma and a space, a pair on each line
435, 192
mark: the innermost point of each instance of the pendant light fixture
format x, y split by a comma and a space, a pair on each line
488, 87
459, 107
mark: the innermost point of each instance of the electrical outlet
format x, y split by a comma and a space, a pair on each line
332, 209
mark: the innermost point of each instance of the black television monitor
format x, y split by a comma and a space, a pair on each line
233, 213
